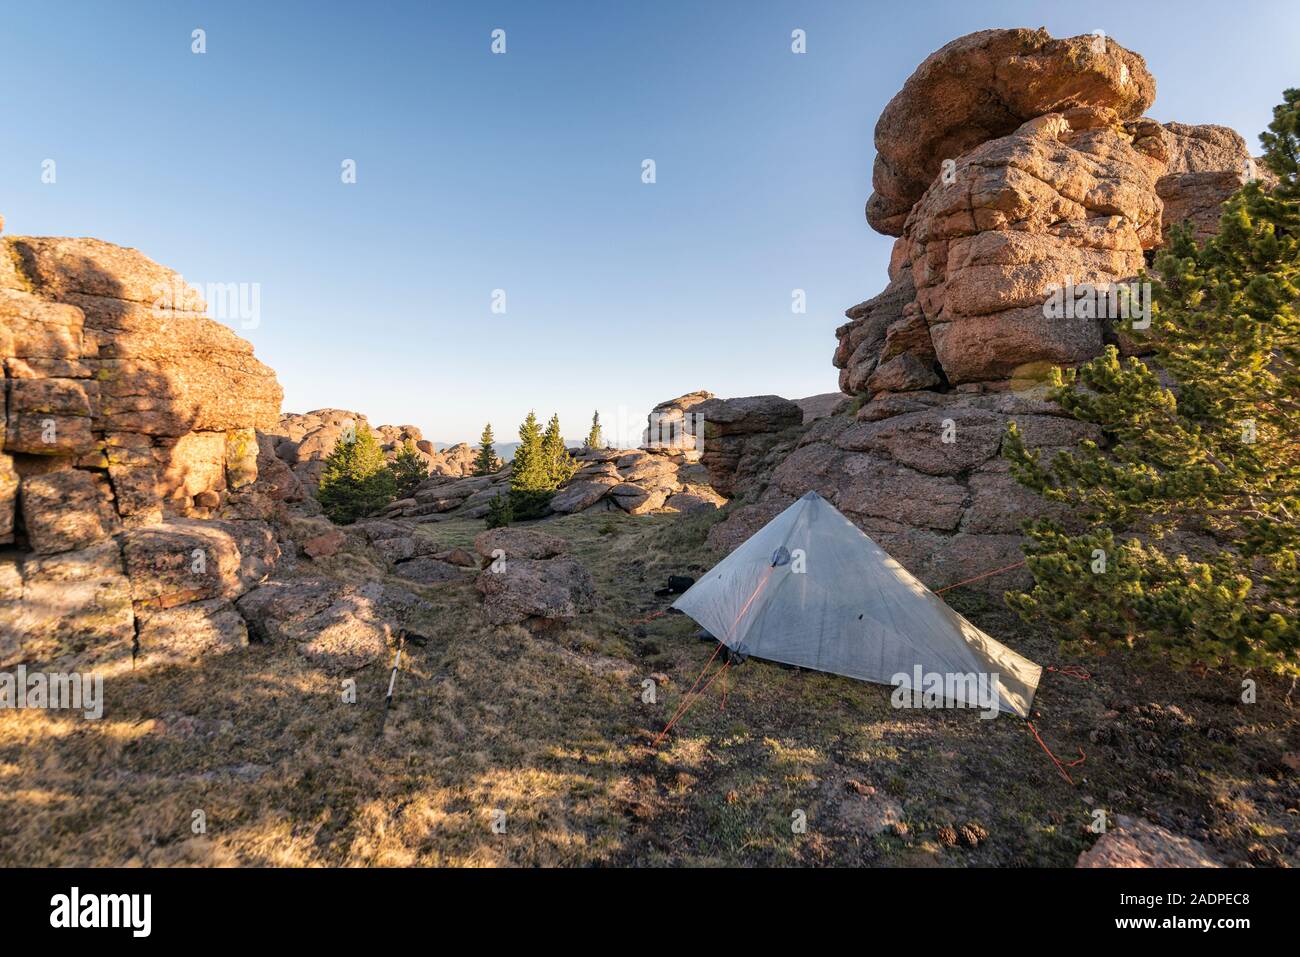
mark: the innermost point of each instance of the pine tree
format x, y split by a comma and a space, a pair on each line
1282, 145
485, 463
501, 511
530, 472
356, 480
531, 487
409, 470
594, 439
1193, 497
559, 464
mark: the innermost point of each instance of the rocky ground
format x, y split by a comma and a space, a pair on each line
548, 725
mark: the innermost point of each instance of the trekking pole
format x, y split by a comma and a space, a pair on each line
393, 680
418, 640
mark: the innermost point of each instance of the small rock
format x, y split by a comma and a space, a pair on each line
323, 546
1132, 842
429, 571
458, 556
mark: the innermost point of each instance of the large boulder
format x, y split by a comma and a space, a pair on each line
671, 424
337, 626
187, 633
528, 590
739, 433
428, 570
515, 543
983, 86
580, 495
1204, 149
1012, 165
819, 406
188, 560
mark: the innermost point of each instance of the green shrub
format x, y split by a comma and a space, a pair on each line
409, 470
356, 481
1192, 498
499, 513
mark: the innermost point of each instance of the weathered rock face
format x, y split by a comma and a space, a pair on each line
820, 406
128, 417
339, 627
923, 476
983, 86
1012, 165
1195, 199
1066, 196
671, 425
110, 365
740, 433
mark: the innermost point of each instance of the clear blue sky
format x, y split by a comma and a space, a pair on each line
523, 172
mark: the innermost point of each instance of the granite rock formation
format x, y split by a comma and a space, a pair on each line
130, 501
1011, 166
302, 440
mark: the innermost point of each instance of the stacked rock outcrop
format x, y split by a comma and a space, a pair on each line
635, 481
1011, 166
129, 492
303, 440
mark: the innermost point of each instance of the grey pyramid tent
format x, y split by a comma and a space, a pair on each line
811, 589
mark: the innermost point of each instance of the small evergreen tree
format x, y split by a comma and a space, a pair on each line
1193, 496
356, 480
530, 473
594, 439
485, 463
500, 511
409, 470
559, 464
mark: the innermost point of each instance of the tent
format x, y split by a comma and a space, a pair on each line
811, 589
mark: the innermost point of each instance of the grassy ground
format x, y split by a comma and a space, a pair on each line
506, 748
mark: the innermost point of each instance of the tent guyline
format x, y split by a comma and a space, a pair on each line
1060, 767
687, 700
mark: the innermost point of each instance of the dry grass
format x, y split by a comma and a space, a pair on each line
552, 732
